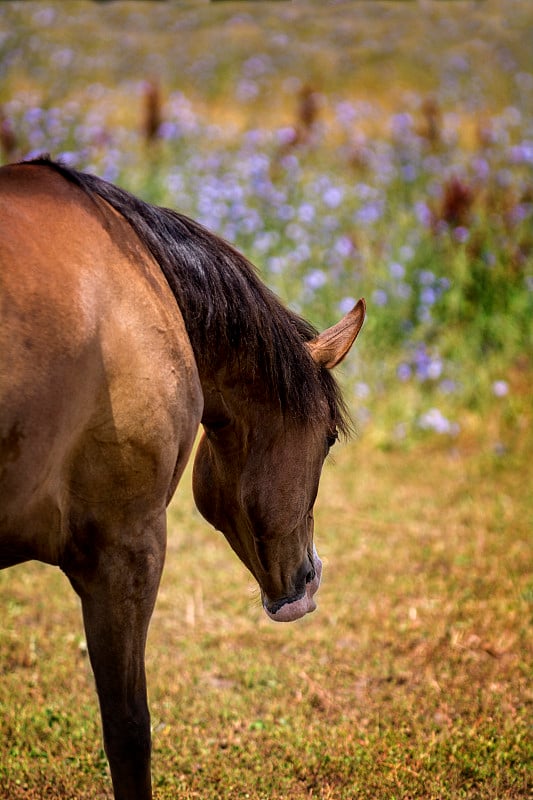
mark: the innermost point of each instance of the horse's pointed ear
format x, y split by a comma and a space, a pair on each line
329, 347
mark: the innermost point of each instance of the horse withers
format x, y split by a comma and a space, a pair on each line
123, 327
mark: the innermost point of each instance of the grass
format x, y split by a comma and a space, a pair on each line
413, 679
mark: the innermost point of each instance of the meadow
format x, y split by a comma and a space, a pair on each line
372, 149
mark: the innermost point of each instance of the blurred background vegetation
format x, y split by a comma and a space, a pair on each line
348, 148
382, 149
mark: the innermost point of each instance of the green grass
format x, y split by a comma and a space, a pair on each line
412, 679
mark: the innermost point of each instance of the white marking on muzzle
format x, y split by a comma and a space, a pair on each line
298, 608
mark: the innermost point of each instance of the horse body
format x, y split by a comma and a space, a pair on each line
124, 326
100, 404
100, 395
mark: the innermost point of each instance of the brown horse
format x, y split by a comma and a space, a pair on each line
123, 327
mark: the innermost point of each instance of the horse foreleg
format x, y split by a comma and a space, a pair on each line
117, 602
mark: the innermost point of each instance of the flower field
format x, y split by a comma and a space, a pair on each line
423, 205
348, 149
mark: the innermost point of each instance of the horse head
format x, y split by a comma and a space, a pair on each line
256, 476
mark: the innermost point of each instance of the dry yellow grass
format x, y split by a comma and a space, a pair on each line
411, 680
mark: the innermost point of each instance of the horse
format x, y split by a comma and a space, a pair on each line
125, 328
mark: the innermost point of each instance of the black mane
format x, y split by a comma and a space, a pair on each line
222, 300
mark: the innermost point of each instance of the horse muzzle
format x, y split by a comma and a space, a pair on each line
292, 608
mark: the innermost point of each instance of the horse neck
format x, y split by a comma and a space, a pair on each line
229, 391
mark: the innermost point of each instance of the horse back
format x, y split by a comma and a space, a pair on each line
99, 393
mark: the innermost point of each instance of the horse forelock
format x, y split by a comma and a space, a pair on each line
225, 304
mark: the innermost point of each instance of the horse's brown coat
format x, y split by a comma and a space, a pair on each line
96, 367
103, 385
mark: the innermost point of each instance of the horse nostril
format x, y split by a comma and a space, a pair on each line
310, 575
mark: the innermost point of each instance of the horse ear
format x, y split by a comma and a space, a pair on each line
329, 347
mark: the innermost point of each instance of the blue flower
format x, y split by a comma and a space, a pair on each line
404, 372
379, 297
423, 214
401, 124
346, 304
285, 212
286, 136
361, 390
500, 388
447, 386
426, 277
396, 270
257, 65
461, 234
343, 246
427, 367
346, 113
306, 212
315, 279
296, 232
481, 167
409, 173
369, 213
434, 420
246, 90
333, 196
277, 264
522, 153
428, 295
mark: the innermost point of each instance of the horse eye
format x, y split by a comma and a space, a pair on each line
218, 425
214, 427
331, 439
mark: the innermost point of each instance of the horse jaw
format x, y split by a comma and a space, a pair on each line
305, 604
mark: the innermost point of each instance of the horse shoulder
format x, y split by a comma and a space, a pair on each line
99, 393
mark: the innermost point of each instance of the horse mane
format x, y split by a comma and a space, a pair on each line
223, 300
